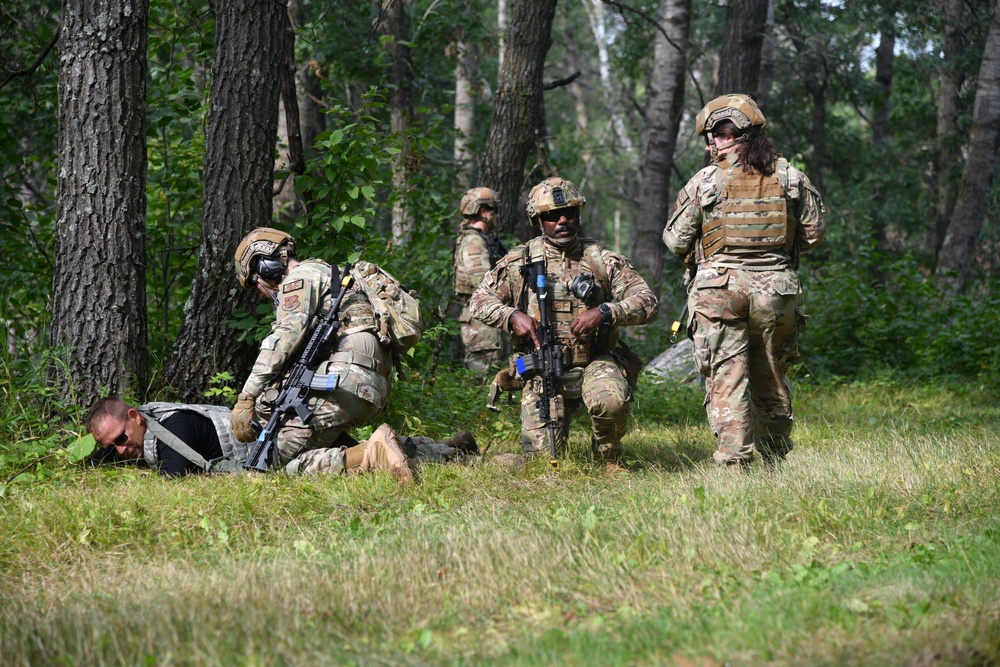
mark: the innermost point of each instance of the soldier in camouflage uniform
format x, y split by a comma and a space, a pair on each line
266, 260
477, 250
593, 292
741, 223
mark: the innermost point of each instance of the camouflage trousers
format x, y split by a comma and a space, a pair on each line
333, 460
334, 413
601, 387
745, 326
483, 347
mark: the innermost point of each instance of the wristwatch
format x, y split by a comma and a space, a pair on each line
606, 312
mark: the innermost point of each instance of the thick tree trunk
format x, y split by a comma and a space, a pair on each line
515, 115
239, 163
742, 41
400, 113
99, 288
948, 155
957, 255
465, 112
663, 116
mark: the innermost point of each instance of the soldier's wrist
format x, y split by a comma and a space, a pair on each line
606, 315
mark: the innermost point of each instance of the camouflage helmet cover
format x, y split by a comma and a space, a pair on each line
261, 242
475, 199
552, 194
738, 108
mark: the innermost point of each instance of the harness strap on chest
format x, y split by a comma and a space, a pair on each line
175, 443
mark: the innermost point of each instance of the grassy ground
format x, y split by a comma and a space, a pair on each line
878, 543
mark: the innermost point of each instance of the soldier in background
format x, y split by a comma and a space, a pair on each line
743, 221
477, 250
593, 291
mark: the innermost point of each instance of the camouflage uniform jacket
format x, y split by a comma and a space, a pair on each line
475, 254
304, 292
700, 202
621, 287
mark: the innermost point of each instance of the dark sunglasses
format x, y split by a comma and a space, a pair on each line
553, 216
123, 438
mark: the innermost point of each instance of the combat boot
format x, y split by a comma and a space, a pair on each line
383, 451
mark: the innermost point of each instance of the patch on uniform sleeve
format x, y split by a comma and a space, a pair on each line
682, 199
292, 286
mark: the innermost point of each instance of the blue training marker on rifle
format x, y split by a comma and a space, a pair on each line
541, 281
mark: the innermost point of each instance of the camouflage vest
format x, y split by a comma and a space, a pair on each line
396, 310
233, 451
754, 213
356, 313
565, 304
466, 280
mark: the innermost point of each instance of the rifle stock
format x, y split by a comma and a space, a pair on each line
295, 389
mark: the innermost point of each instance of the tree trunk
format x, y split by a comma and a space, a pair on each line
663, 115
519, 93
766, 60
465, 112
239, 164
742, 41
400, 113
880, 125
99, 287
948, 155
595, 15
957, 255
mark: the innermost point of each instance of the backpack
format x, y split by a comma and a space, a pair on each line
397, 310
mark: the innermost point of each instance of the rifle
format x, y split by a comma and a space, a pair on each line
300, 381
547, 360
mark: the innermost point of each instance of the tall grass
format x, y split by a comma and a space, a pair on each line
878, 542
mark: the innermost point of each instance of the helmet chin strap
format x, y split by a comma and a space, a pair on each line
273, 293
714, 149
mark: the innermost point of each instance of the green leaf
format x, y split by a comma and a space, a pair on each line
358, 220
82, 448
425, 639
368, 192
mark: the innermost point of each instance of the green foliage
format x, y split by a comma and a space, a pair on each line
860, 326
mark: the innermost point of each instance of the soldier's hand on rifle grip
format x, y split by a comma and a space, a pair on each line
585, 322
525, 325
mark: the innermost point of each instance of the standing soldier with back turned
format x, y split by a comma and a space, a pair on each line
742, 221
592, 292
477, 250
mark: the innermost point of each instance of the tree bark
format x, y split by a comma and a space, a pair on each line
742, 42
948, 154
99, 287
766, 60
663, 116
519, 92
465, 112
400, 113
239, 164
880, 123
957, 255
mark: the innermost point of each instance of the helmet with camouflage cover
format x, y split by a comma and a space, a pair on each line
263, 252
475, 199
738, 108
552, 194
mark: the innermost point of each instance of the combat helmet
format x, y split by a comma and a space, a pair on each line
738, 108
552, 194
263, 252
475, 199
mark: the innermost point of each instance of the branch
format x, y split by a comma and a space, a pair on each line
559, 83
35, 65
